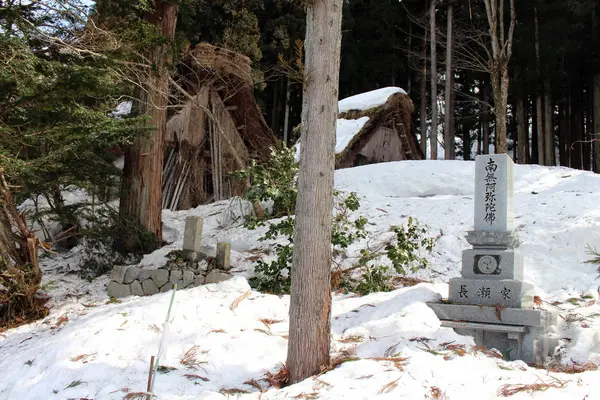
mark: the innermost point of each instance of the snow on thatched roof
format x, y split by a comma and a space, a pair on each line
363, 112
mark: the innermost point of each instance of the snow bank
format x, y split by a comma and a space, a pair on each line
106, 347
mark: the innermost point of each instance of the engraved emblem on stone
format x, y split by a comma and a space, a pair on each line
487, 265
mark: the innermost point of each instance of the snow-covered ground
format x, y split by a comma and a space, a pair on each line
89, 349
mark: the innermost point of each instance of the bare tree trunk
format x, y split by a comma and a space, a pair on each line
310, 304
434, 117
521, 132
286, 120
448, 117
596, 132
408, 61
423, 112
498, 63
541, 148
141, 198
548, 125
485, 120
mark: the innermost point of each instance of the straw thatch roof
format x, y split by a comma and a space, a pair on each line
394, 114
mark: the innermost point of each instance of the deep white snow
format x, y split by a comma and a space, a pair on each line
87, 348
368, 100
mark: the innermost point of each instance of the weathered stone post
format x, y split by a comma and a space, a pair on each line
490, 301
192, 235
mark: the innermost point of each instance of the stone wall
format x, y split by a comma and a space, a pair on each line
186, 268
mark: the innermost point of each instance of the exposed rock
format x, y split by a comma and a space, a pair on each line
136, 288
176, 276
202, 267
149, 287
216, 276
118, 273
160, 276
199, 280
144, 274
131, 274
117, 290
166, 287
188, 278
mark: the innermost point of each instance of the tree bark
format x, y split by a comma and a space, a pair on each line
500, 55
423, 112
141, 198
286, 120
548, 125
541, 145
485, 120
521, 131
449, 146
310, 304
596, 132
434, 117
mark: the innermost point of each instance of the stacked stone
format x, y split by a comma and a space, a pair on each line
490, 301
492, 272
188, 268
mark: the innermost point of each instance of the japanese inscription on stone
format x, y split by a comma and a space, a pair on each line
493, 193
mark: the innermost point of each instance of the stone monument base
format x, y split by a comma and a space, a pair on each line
518, 333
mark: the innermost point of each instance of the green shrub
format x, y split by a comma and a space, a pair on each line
275, 181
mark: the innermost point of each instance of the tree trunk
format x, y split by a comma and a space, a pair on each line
423, 112
576, 124
310, 304
434, 122
408, 61
596, 132
501, 43
563, 132
548, 125
485, 121
521, 131
448, 129
586, 125
541, 140
286, 120
141, 198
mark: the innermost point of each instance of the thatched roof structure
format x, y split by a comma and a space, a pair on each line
216, 132
375, 127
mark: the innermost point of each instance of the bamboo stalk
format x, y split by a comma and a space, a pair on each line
149, 387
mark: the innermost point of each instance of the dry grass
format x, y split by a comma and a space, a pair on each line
436, 393
575, 368
279, 378
193, 377
407, 281
510, 390
237, 301
352, 339
83, 357
345, 355
306, 396
191, 358
388, 387
229, 391
486, 351
255, 384
217, 331
458, 349
399, 362
135, 396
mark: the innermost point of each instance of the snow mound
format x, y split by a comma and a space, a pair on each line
87, 348
368, 100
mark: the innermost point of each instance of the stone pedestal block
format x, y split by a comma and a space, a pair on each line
505, 293
492, 264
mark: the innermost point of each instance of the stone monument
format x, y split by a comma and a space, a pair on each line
490, 300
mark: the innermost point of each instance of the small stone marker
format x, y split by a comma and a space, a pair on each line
192, 236
490, 301
223, 256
